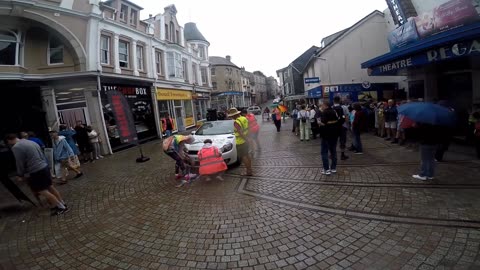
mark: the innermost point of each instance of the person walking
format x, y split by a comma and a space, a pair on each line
381, 119
211, 161
304, 119
253, 130
241, 138
277, 118
69, 135
83, 142
296, 122
94, 138
266, 113
343, 122
314, 127
391, 115
358, 126
329, 133
63, 154
168, 125
33, 167
429, 139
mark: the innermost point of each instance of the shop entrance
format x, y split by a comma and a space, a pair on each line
179, 119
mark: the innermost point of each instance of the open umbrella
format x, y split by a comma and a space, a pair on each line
428, 113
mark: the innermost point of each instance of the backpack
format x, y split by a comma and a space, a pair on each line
303, 118
340, 114
295, 114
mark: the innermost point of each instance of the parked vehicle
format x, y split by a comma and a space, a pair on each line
222, 135
255, 110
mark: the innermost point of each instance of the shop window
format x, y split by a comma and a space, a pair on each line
159, 62
123, 53
174, 61
139, 57
203, 71
55, 51
105, 49
123, 13
9, 48
189, 121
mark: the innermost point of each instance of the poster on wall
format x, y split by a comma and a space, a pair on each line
139, 101
403, 35
123, 117
439, 16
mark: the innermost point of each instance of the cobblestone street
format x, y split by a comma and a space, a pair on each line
370, 215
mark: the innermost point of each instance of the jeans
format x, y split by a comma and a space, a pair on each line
304, 130
357, 141
179, 164
343, 139
427, 153
329, 145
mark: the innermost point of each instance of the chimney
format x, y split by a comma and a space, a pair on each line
228, 58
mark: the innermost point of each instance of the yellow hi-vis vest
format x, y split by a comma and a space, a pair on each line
242, 121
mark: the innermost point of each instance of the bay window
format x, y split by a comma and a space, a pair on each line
174, 63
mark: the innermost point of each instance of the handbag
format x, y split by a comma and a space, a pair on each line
74, 162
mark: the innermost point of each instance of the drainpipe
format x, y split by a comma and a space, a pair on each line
99, 85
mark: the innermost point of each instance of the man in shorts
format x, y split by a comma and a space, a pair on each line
391, 115
32, 166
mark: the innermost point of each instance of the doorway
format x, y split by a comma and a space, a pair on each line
179, 119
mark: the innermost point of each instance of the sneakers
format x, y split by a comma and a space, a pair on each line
358, 153
58, 211
182, 183
326, 172
419, 177
333, 171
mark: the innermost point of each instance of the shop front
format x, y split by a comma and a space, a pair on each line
177, 104
363, 92
139, 99
314, 95
202, 103
225, 100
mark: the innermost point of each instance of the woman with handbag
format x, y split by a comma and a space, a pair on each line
63, 154
277, 118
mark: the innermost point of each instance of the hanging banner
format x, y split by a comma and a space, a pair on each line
123, 117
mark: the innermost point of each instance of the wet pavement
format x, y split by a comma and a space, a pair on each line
370, 215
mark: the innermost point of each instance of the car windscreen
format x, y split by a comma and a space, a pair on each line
216, 128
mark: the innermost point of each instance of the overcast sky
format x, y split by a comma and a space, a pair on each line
265, 35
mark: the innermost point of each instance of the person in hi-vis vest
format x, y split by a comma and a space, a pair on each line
168, 125
241, 138
211, 161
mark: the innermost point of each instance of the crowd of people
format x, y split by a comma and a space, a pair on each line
333, 122
70, 146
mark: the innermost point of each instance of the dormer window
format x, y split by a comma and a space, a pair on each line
123, 13
133, 17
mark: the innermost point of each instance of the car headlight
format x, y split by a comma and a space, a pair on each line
227, 147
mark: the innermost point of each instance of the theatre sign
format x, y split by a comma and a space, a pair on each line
441, 53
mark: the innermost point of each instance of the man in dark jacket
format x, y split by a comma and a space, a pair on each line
329, 131
429, 139
358, 126
83, 142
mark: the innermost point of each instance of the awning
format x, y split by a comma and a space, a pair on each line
229, 93
459, 42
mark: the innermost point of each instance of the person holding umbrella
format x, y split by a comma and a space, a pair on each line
430, 120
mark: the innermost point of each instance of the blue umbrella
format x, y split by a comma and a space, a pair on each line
428, 113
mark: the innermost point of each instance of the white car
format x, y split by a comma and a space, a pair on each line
222, 135
255, 110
